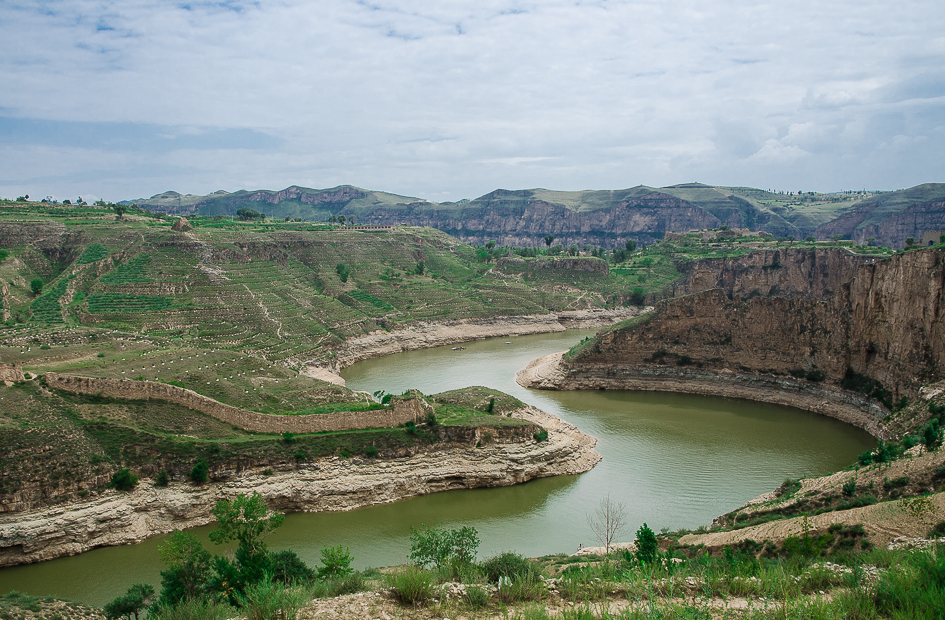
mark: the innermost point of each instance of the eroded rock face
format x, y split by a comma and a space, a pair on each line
510, 456
885, 323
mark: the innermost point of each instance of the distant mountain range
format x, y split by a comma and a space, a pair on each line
599, 217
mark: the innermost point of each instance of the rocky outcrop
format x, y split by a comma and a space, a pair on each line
11, 373
401, 411
882, 334
424, 335
328, 484
847, 406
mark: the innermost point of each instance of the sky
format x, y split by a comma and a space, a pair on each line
452, 99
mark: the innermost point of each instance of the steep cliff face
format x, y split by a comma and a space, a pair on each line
813, 273
881, 333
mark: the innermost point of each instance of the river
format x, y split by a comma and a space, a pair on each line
673, 460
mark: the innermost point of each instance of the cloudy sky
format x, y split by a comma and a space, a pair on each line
452, 99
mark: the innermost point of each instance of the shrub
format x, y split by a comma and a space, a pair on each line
849, 488
193, 609
411, 585
508, 564
162, 479
440, 547
541, 435
371, 452
288, 437
337, 563
36, 285
130, 603
342, 272
268, 600
199, 473
288, 568
124, 480
475, 597
937, 531
647, 546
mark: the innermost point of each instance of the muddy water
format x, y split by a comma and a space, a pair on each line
674, 460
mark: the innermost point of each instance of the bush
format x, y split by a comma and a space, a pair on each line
268, 600
288, 568
124, 480
647, 546
337, 563
162, 479
849, 488
199, 473
288, 437
411, 585
508, 564
475, 597
440, 547
129, 603
541, 435
371, 452
193, 609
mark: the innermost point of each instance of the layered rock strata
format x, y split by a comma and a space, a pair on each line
508, 456
882, 332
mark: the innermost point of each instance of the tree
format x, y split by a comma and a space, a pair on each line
188, 568
36, 285
246, 520
442, 547
337, 562
200, 472
631, 245
120, 210
870, 241
341, 220
647, 546
130, 603
245, 214
342, 272
608, 521
420, 268
549, 239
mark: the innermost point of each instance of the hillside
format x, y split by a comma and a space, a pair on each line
599, 217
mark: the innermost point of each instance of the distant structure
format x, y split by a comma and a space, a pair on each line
932, 237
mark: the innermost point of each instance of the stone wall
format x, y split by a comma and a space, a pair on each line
402, 410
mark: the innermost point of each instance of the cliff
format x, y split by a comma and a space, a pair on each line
863, 345
509, 456
600, 217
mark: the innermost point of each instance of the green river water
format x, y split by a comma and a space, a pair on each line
674, 460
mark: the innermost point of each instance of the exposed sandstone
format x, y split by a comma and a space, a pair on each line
328, 484
885, 323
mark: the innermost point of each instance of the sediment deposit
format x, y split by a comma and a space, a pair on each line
510, 456
424, 335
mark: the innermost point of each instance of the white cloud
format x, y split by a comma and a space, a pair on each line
460, 97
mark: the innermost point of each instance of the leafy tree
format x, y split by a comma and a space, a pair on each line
120, 210
549, 239
441, 547
420, 268
647, 546
932, 435
337, 562
631, 245
288, 568
130, 603
245, 214
341, 220
188, 572
36, 285
342, 272
4, 254
637, 297
247, 520
162, 479
124, 480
